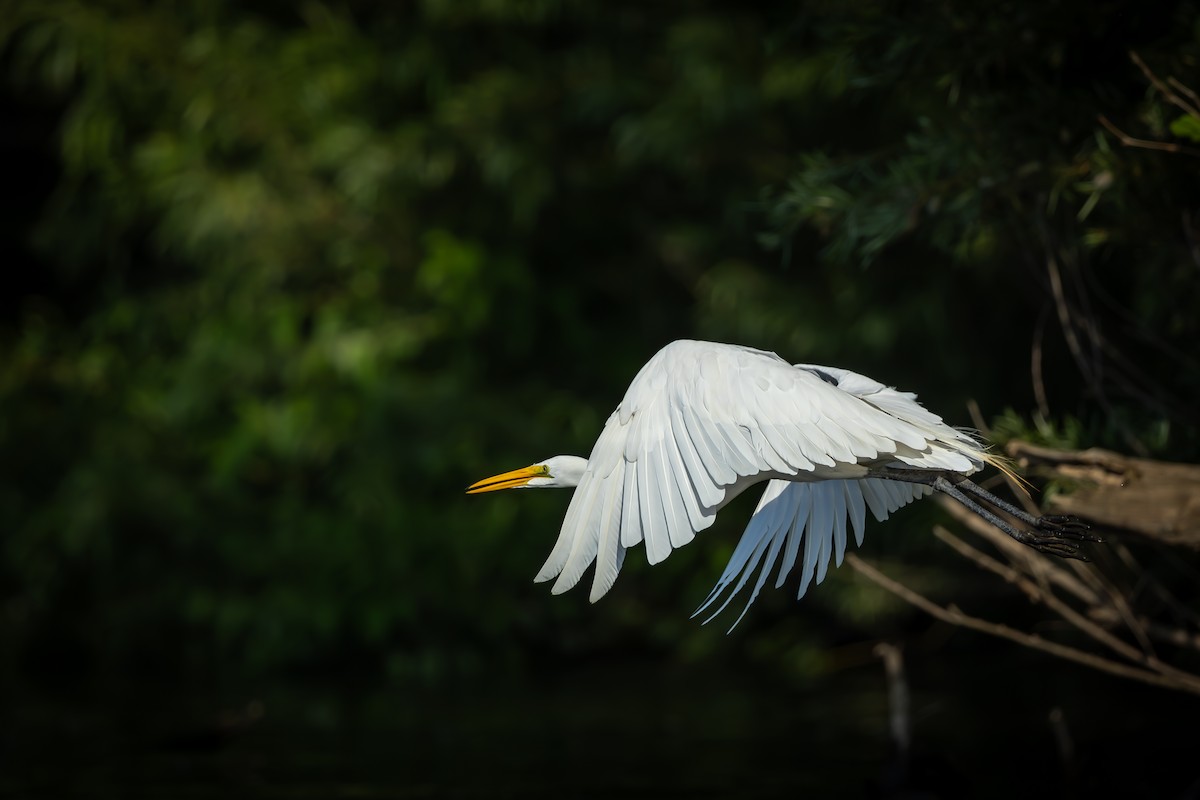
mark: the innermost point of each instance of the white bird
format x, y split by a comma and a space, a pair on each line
701, 422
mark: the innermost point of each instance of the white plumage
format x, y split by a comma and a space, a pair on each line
699, 424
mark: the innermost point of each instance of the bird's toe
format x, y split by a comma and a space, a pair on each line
1063, 526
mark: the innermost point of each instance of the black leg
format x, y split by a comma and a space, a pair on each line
984, 494
1042, 542
1051, 533
1057, 524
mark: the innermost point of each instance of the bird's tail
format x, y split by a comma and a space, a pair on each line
1003, 463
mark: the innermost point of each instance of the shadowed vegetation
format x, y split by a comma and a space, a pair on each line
285, 278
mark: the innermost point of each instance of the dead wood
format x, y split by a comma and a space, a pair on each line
1158, 500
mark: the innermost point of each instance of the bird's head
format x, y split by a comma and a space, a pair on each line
556, 472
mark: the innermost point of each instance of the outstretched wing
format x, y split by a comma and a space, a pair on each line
699, 423
814, 515
791, 514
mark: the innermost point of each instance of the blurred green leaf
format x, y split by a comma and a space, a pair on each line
1186, 126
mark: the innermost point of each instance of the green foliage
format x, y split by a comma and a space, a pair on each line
1186, 126
983, 151
294, 275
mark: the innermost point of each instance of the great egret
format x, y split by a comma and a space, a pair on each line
702, 422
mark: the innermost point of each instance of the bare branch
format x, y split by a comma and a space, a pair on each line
1088, 585
1187, 92
954, 616
899, 713
1118, 602
1030, 560
1044, 597
1169, 95
1146, 144
1171, 634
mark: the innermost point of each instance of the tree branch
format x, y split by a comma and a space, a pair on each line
1169, 95
1050, 600
954, 616
1146, 144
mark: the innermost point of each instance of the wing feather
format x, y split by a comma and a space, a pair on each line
566, 540
876, 498
610, 553
705, 437
858, 511
738, 449
805, 522
583, 544
631, 512
801, 510
683, 520
694, 452
654, 521
776, 542
760, 525
821, 527
763, 528
812, 550
837, 501
685, 469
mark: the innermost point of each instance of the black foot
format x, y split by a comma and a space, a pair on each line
1051, 544
1064, 527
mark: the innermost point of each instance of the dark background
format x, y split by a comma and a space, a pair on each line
283, 278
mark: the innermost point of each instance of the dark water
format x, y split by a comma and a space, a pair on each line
634, 730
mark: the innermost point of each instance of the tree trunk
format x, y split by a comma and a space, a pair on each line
1158, 500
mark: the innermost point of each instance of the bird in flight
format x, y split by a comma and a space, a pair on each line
702, 422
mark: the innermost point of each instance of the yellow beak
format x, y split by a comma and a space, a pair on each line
508, 480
